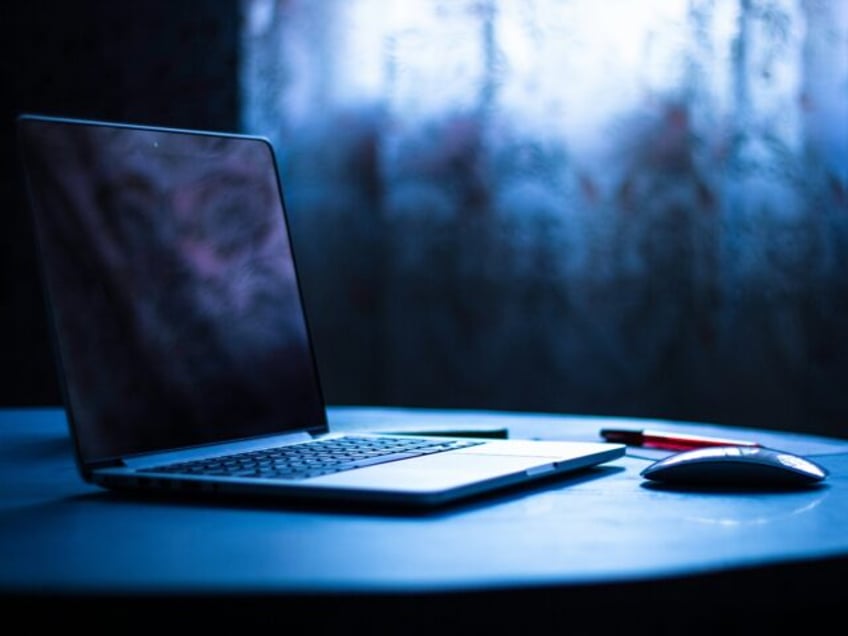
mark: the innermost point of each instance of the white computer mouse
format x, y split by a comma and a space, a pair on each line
736, 466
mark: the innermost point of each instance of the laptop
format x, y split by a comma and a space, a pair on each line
181, 340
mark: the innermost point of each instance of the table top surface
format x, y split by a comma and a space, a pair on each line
59, 534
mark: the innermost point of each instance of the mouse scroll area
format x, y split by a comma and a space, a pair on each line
736, 467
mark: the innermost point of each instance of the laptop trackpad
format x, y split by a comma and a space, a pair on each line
432, 472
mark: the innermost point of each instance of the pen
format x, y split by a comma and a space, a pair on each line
496, 433
667, 440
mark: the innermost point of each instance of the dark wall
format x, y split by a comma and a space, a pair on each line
164, 62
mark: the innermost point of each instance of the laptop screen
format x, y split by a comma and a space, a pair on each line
171, 286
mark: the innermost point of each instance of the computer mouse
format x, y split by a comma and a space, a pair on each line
736, 467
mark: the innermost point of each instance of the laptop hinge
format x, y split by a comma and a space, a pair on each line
212, 450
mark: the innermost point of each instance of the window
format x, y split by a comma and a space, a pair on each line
617, 207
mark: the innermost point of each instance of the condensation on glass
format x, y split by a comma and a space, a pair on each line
616, 207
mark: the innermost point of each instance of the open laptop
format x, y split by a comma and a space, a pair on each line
181, 340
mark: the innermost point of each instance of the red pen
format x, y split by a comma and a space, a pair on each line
667, 440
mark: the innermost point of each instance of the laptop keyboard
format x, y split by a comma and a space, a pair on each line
311, 459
